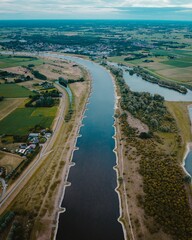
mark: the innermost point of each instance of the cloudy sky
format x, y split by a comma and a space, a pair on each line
96, 9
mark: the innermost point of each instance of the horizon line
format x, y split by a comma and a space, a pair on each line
92, 19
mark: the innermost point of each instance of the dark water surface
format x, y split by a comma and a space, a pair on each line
92, 205
188, 163
188, 159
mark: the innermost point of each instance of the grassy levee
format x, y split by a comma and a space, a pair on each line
152, 181
38, 202
180, 111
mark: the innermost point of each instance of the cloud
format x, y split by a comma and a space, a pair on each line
84, 8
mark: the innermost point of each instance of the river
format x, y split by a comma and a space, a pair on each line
137, 84
91, 202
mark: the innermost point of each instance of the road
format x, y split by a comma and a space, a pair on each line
16, 187
4, 186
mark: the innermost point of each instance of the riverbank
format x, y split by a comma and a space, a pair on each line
38, 203
136, 170
188, 149
69, 164
124, 218
81, 99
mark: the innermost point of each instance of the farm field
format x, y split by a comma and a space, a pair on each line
21, 120
9, 61
179, 64
14, 91
178, 69
8, 105
9, 161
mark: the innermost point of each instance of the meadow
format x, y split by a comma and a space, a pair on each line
178, 69
14, 91
10, 61
21, 120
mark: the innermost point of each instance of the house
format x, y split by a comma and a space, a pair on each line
33, 140
32, 146
33, 135
21, 151
47, 135
23, 146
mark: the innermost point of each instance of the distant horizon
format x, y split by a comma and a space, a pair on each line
180, 10
92, 19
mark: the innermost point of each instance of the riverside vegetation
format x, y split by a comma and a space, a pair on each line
154, 79
164, 189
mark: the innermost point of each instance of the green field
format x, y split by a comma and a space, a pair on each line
14, 91
8, 61
179, 64
20, 121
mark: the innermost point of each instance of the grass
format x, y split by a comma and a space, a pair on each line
163, 67
9, 161
10, 61
181, 114
14, 91
21, 120
179, 64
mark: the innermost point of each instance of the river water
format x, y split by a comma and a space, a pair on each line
137, 84
92, 205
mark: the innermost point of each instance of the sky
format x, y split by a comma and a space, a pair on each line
96, 9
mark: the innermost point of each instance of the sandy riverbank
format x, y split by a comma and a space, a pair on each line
119, 168
69, 163
188, 149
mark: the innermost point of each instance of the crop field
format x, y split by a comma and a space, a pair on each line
21, 120
179, 64
14, 91
178, 69
9, 61
8, 105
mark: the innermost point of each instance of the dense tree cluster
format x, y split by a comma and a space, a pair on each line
65, 82
40, 101
16, 231
45, 99
150, 109
5, 74
37, 74
5, 220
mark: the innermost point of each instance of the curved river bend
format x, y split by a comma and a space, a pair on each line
92, 205
137, 84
